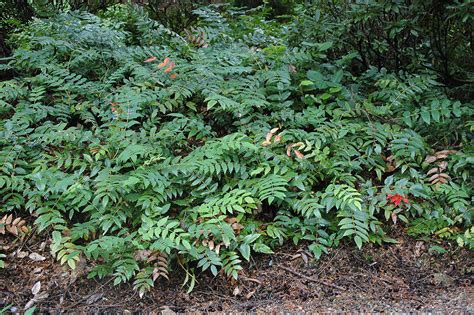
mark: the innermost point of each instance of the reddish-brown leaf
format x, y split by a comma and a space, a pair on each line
170, 67
430, 159
151, 59
444, 153
9, 219
298, 154
164, 63
394, 218
443, 165
288, 150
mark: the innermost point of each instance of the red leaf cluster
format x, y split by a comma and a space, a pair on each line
397, 199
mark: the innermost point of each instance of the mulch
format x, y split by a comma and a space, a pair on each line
405, 277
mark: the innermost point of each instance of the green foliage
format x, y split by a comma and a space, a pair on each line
241, 145
398, 35
2, 263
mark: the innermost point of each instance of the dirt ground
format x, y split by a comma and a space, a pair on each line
408, 276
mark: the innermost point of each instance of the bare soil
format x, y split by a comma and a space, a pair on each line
404, 277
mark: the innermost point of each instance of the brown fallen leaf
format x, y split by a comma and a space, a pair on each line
94, 298
38, 270
21, 254
42, 246
36, 288
36, 257
419, 247
249, 295
36, 298
166, 310
236, 291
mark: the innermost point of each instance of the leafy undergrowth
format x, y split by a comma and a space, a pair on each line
411, 275
138, 149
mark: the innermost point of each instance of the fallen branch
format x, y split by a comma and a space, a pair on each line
311, 279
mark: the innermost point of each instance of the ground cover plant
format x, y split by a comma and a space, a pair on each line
145, 151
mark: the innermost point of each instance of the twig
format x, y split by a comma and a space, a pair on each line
311, 279
83, 299
325, 264
252, 280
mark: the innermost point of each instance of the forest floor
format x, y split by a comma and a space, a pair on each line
408, 276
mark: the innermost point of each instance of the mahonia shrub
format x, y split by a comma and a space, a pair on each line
134, 146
